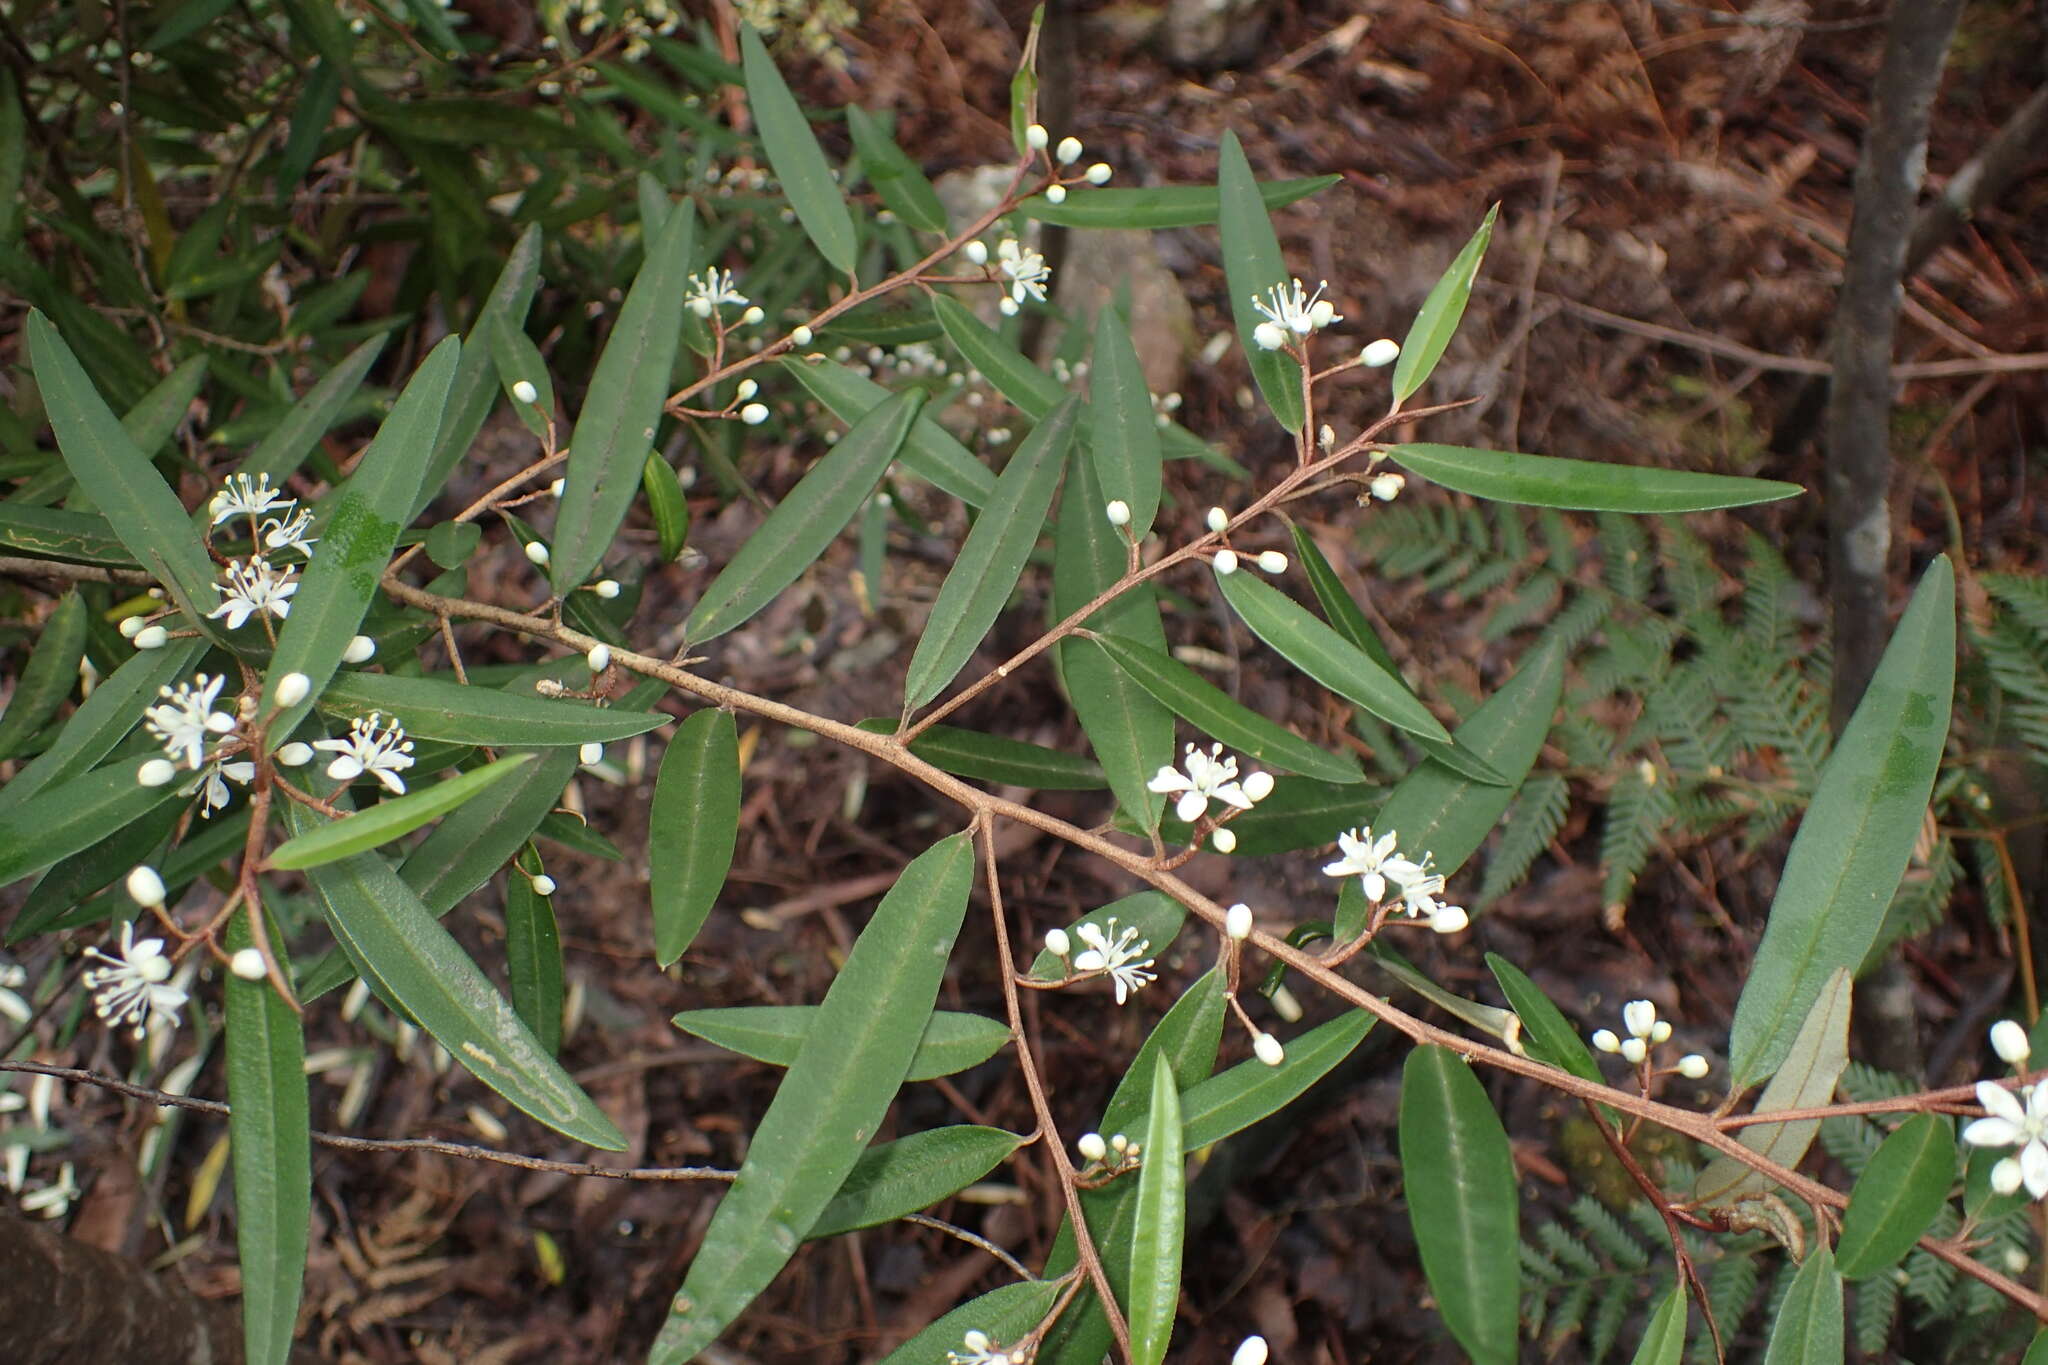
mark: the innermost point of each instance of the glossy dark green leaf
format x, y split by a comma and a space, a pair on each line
997, 758
60, 533
70, 815
270, 1129
1155, 915
1252, 267
794, 153
102, 720
451, 543
1234, 1100
1818, 1055
1337, 603
475, 386
692, 828
1898, 1195
285, 448
1857, 834
1034, 391
894, 175
1459, 1177
1166, 206
439, 708
1438, 319
156, 415
1160, 1226
49, 676
517, 360
1808, 1329
774, 1034
843, 1080
1548, 1035
1664, 1338
573, 832
1004, 1315
1301, 813
929, 451
991, 559
1123, 435
616, 427
913, 1173
533, 960
796, 533
68, 889
665, 502
1582, 485
389, 819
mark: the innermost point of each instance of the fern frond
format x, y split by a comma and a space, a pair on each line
1877, 1309
1625, 561
1637, 812
1778, 709
1532, 822
2024, 595
1767, 591
1608, 1315
1690, 573
1534, 600
1731, 1289
1608, 1233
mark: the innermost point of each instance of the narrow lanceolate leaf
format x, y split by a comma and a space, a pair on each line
533, 960
1441, 312
282, 451
1460, 1181
475, 386
1809, 1326
69, 816
102, 720
48, 677
930, 452
1212, 711
157, 413
666, 504
1161, 1225
615, 429
1034, 391
793, 152
1252, 266
998, 758
854, 1057
913, 1173
459, 713
1326, 656
1547, 1034
799, 529
1168, 206
1234, 1100
356, 541
991, 558
138, 504
60, 533
404, 951
270, 1129
1337, 603
1003, 1315
775, 1034
1853, 843
1582, 485
388, 820
1818, 1055
482, 835
1898, 1195
1123, 435
894, 175
1502, 1024
1664, 1339
692, 828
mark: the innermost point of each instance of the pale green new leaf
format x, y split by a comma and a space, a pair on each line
793, 152
1814, 1062
692, 828
1161, 1222
1664, 1339
1440, 314
388, 820
1460, 1181
533, 960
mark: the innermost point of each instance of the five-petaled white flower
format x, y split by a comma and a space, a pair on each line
131, 989
213, 790
1202, 778
242, 495
1373, 860
712, 288
2012, 1125
1294, 308
289, 533
1115, 953
383, 753
254, 587
1026, 268
185, 719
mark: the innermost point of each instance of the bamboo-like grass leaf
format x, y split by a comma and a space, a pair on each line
775, 1034
853, 1060
692, 828
1853, 843
991, 559
1664, 1338
1438, 319
71, 815
798, 161
929, 451
1815, 1061
1167, 206
1582, 485
1460, 1182
799, 529
913, 1173
48, 677
388, 820
894, 175
1161, 1224
1808, 1330
533, 960
1898, 1195
1123, 431
616, 426
1253, 266
998, 758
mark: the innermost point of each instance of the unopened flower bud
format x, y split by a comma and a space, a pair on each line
747, 389
1692, 1066
1633, 1050
599, 658
145, 888
1223, 841
976, 252
1250, 1351
537, 552
1092, 1147
292, 689
1119, 512
1269, 336
156, 772
607, 588
1605, 1041
1217, 519
1381, 352
2009, 1041
1226, 561
1035, 137
1055, 194
247, 963
1321, 313
1237, 921
1640, 1016
1099, 173
1258, 786
1268, 1050
752, 316
753, 414
590, 753
131, 625
803, 335
361, 649
1068, 152
555, 487
1387, 487
1449, 919
1272, 561
151, 637
1119, 1144
296, 754
1007, 306
525, 392
1285, 1005
1057, 943
1326, 437
1660, 1032
543, 885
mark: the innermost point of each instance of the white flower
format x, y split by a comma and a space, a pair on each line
253, 587
130, 989
2011, 1125
384, 754
145, 887
1268, 1050
1375, 861
1381, 352
2009, 1041
295, 754
1294, 308
1605, 1041
1116, 955
289, 533
1237, 921
1207, 777
1639, 1017
1099, 173
1250, 1351
247, 963
213, 790
52, 1201
1026, 268
292, 689
524, 391
1258, 787
709, 290
1269, 336
185, 719
156, 772
242, 495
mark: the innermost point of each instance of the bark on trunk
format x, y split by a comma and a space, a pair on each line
65, 1303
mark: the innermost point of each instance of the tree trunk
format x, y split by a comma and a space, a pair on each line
65, 1303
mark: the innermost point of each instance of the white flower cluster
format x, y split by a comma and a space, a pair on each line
1120, 954
1645, 1031
373, 745
1290, 312
133, 988
1096, 1153
1381, 867
711, 289
254, 586
185, 723
2013, 1120
1205, 777
1023, 267
1067, 153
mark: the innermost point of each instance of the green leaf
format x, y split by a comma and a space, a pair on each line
49, 676
1438, 320
451, 543
516, 358
1124, 432
388, 820
692, 828
774, 1034
1808, 1330
1326, 656
1161, 1217
793, 152
1168, 206
1460, 1181
1898, 1196
616, 426
1155, 915
1034, 391
1252, 265
997, 758
59, 533
796, 533
991, 559
1336, 602
285, 448
139, 505
1003, 1314
270, 1130
475, 386
68, 816
102, 720
913, 1173
1582, 485
1502, 1024
1250, 1091
1852, 846
1664, 1338
895, 176
665, 501
1301, 813
533, 960
930, 452
157, 413
835, 1093
482, 835
458, 713
404, 951
2037, 1353
1548, 1035
1818, 1055
1212, 711
366, 514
